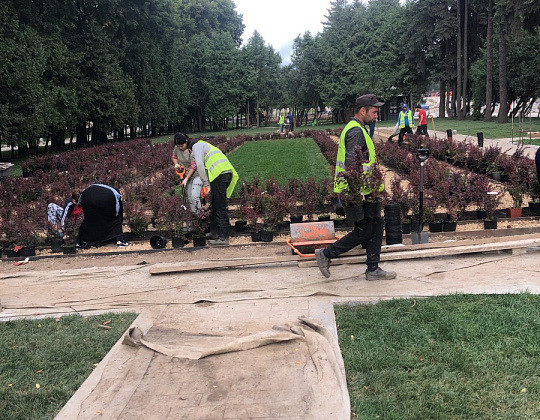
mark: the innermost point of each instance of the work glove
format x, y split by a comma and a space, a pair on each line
184, 182
206, 206
177, 166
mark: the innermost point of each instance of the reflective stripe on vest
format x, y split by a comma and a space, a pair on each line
339, 183
215, 163
402, 119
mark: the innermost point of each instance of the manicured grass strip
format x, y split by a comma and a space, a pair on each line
450, 357
280, 159
43, 362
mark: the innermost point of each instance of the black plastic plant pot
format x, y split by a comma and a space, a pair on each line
255, 235
267, 236
490, 223
69, 250
28, 251
240, 226
158, 242
56, 244
177, 242
199, 241
298, 218
354, 212
436, 226
449, 226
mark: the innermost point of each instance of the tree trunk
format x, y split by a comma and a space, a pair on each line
442, 99
461, 59
58, 138
503, 80
489, 64
81, 134
465, 91
257, 113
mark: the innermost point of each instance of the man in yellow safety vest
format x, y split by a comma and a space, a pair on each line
220, 177
368, 231
405, 122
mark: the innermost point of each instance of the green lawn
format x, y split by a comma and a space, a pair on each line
43, 362
280, 159
449, 357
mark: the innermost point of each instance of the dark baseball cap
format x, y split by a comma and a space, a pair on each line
368, 100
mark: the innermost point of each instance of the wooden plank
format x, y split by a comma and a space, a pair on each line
224, 264
403, 254
388, 253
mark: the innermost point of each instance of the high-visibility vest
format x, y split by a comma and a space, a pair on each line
281, 119
215, 163
402, 119
339, 183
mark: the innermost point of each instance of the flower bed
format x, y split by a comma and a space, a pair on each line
142, 173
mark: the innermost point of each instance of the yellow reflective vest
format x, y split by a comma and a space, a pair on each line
215, 163
402, 119
339, 183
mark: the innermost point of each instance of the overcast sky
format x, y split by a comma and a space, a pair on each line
280, 21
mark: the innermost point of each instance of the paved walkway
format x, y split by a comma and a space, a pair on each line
507, 145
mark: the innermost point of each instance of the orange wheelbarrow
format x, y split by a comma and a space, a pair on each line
306, 237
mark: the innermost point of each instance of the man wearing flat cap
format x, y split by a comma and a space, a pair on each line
367, 232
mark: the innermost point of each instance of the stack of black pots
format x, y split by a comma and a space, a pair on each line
392, 224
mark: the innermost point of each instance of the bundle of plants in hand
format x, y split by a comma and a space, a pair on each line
361, 178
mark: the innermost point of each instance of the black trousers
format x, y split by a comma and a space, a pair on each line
368, 232
402, 134
422, 129
219, 217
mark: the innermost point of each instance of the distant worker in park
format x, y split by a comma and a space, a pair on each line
220, 177
405, 122
290, 116
367, 232
60, 217
281, 122
103, 216
422, 121
184, 163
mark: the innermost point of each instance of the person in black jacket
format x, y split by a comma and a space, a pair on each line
103, 216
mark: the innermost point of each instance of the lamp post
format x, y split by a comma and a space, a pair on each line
421, 237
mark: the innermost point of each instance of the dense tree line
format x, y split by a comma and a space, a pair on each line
476, 51
113, 67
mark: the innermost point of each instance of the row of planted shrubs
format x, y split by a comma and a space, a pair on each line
139, 169
142, 172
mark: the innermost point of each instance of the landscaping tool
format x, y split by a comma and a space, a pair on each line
182, 173
421, 237
309, 236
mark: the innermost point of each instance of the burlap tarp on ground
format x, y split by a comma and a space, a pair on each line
291, 371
